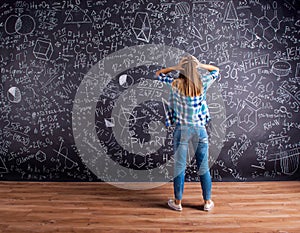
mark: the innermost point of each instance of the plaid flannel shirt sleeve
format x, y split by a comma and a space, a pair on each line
165, 78
209, 79
170, 109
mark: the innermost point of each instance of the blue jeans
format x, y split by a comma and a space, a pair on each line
184, 134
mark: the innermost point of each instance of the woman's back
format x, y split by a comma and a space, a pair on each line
188, 94
188, 110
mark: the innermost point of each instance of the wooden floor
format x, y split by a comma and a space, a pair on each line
100, 207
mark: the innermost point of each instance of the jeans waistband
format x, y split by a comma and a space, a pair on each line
189, 126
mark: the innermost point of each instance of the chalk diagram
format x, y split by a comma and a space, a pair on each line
126, 80
289, 94
77, 16
142, 27
281, 68
204, 47
109, 122
40, 156
230, 14
126, 118
283, 110
288, 160
43, 49
22, 25
14, 95
247, 116
139, 161
267, 26
3, 168
195, 32
248, 35
63, 151
182, 8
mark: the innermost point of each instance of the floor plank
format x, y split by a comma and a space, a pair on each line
99, 207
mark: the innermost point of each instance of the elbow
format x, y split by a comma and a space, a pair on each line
157, 73
217, 70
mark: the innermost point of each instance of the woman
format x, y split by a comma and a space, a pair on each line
189, 112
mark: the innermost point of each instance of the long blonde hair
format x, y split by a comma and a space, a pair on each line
189, 83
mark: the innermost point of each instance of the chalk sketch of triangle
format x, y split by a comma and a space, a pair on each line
110, 122
77, 15
196, 32
230, 14
214, 131
3, 168
166, 104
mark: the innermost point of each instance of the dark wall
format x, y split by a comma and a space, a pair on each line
79, 100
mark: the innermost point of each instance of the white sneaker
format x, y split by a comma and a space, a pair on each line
209, 206
174, 206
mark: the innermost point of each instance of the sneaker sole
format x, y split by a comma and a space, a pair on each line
208, 209
174, 208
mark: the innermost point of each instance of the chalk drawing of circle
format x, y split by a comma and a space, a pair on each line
25, 25
126, 80
126, 119
281, 68
14, 95
153, 126
10, 24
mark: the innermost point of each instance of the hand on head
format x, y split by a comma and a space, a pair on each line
188, 59
182, 63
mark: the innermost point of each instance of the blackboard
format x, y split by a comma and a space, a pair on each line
80, 101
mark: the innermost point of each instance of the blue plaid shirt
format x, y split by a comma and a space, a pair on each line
185, 110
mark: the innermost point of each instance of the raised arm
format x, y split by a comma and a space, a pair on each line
166, 70
208, 67
211, 77
172, 68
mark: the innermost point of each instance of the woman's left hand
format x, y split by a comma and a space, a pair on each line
180, 64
